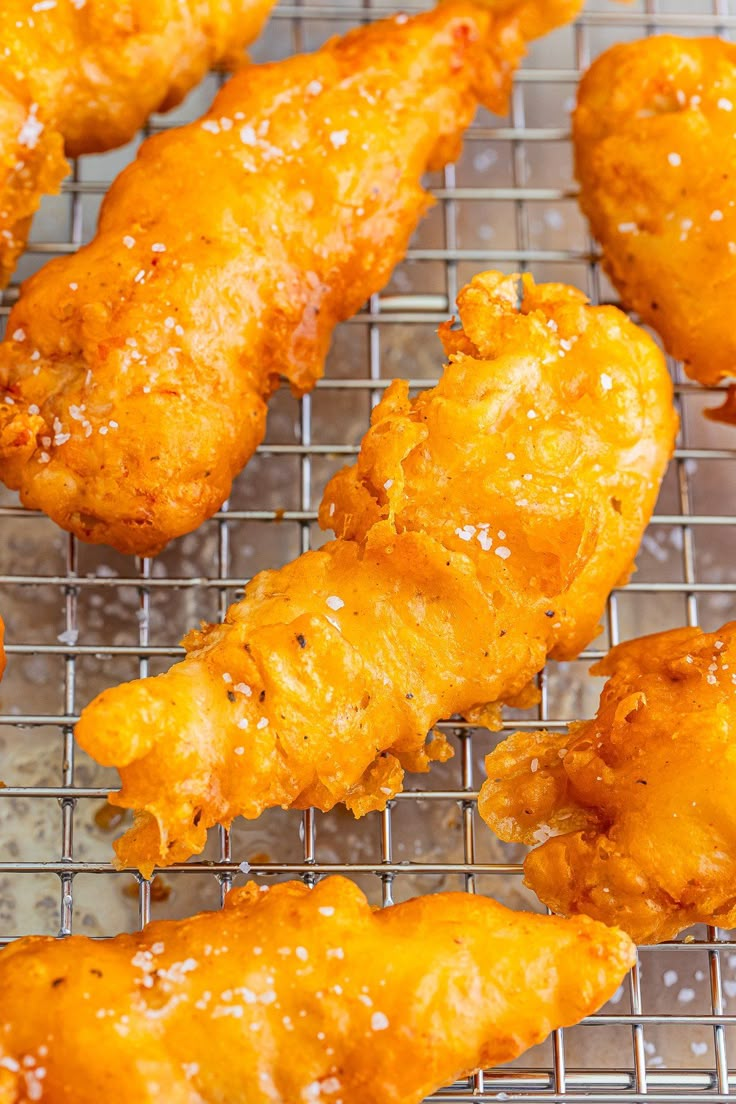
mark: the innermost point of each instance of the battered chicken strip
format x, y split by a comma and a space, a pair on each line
482, 529
87, 74
294, 995
139, 369
655, 153
640, 799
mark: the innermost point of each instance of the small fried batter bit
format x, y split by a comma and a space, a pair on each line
135, 377
639, 800
296, 995
655, 153
481, 529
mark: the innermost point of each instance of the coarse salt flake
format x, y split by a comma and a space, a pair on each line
606, 381
248, 136
19, 335
326, 910
128, 241
314, 88
158, 247
716, 216
31, 130
724, 104
243, 722
379, 1021
339, 138
335, 603
466, 533
504, 553
674, 159
263, 723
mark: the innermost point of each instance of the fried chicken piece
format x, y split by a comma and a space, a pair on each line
639, 801
481, 529
296, 995
87, 75
139, 369
655, 154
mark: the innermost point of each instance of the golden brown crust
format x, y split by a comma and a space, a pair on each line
656, 160
296, 995
87, 75
481, 529
638, 800
224, 257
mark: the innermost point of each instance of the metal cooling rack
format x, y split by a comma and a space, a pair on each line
80, 618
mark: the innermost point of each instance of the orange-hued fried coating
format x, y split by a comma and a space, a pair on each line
296, 995
639, 802
481, 529
140, 368
655, 152
85, 75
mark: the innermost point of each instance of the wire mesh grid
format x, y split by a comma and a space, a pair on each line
81, 618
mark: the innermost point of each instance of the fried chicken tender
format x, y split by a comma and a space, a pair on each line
655, 155
639, 801
296, 995
481, 529
87, 75
139, 369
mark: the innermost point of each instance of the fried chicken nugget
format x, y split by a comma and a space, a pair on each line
296, 995
86, 75
139, 369
655, 154
639, 801
481, 529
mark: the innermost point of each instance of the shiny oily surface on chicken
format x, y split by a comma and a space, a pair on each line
135, 375
655, 154
639, 800
482, 529
278, 997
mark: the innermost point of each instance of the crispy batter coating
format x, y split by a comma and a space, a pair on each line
481, 529
655, 155
296, 995
87, 75
224, 257
638, 800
